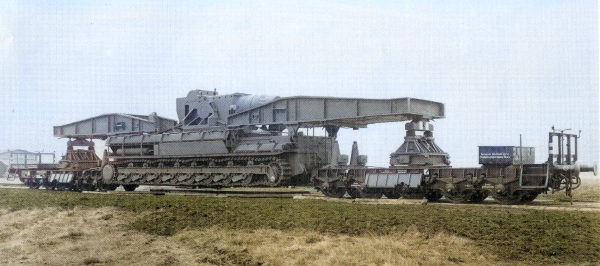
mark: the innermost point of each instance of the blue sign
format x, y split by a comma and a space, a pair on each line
495, 154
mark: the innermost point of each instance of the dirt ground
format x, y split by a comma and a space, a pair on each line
98, 237
78, 237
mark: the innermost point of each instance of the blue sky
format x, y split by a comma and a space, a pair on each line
502, 68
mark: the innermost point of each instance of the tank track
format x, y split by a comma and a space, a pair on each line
201, 172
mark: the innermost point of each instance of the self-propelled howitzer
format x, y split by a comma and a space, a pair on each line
255, 140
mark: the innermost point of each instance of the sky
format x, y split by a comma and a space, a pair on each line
502, 68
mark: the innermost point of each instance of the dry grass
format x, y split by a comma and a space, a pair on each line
53, 236
275, 247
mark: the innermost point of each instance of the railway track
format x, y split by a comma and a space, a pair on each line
228, 192
305, 193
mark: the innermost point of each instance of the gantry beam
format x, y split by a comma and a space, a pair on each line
343, 112
103, 126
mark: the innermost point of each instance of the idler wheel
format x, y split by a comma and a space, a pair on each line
108, 172
274, 172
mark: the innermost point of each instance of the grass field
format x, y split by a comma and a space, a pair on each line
236, 231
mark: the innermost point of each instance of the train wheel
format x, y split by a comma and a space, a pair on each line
334, 192
354, 193
51, 185
479, 197
64, 187
111, 187
130, 187
509, 199
529, 197
458, 198
433, 196
412, 195
89, 187
375, 195
33, 184
391, 195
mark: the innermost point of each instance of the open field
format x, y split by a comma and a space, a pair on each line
65, 228
82, 236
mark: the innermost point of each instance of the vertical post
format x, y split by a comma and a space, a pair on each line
560, 149
550, 151
521, 159
354, 154
521, 148
575, 155
568, 161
